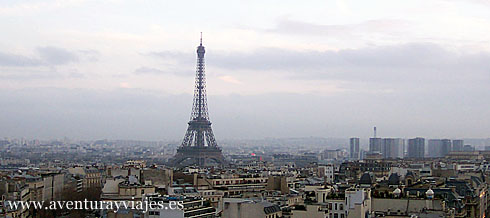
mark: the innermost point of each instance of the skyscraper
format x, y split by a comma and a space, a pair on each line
435, 148
446, 147
354, 148
458, 145
439, 147
416, 148
375, 145
393, 148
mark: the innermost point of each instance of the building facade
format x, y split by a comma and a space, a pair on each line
416, 148
354, 148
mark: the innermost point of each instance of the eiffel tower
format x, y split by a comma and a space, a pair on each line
199, 146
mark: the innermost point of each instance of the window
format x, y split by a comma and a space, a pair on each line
154, 213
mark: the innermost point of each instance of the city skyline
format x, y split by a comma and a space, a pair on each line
321, 109
329, 69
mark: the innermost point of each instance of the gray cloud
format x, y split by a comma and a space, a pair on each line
12, 60
398, 56
48, 56
154, 71
56, 56
183, 58
30, 75
414, 64
53, 112
89, 55
49, 73
148, 70
385, 26
169, 54
141, 114
174, 60
45, 65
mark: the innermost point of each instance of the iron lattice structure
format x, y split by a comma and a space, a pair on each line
199, 132
199, 145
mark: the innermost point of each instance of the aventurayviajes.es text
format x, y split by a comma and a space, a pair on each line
96, 205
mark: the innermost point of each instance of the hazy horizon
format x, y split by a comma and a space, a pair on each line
119, 69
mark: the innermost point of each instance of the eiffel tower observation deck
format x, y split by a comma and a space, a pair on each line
199, 146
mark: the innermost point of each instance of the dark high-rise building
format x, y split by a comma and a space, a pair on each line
392, 148
354, 148
435, 146
439, 147
458, 145
386, 147
375, 145
446, 147
416, 148
199, 146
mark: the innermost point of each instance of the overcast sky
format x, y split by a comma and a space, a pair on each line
116, 69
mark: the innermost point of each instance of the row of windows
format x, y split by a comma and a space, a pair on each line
336, 215
230, 182
336, 206
154, 213
272, 216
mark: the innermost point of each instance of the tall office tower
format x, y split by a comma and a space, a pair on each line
393, 148
446, 147
375, 145
416, 147
199, 146
458, 145
354, 148
439, 147
435, 148
402, 148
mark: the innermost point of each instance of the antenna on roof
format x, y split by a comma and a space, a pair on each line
201, 38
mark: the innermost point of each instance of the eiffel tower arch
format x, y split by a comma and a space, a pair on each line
199, 146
